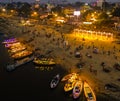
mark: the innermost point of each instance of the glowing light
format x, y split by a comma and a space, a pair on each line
76, 13
35, 13
87, 23
86, 4
37, 6
27, 22
4, 10
60, 20
55, 15
93, 35
11, 11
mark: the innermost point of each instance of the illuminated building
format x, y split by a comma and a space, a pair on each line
100, 3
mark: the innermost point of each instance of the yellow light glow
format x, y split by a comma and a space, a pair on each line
55, 15
35, 13
11, 11
92, 35
88, 23
59, 20
22, 21
92, 15
3, 9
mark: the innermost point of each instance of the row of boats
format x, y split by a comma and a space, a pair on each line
21, 55
18, 52
42, 62
74, 83
16, 49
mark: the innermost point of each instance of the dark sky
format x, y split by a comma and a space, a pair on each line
59, 0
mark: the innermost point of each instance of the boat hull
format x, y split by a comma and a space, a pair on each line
54, 82
89, 94
10, 41
77, 89
25, 54
69, 86
67, 77
42, 62
12, 67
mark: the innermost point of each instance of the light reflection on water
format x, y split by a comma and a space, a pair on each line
44, 68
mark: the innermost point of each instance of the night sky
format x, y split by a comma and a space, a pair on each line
71, 1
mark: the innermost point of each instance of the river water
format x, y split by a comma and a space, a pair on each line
32, 83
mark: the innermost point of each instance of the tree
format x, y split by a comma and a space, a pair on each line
103, 16
105, 5
10, 6
103, 20
57, 10
24, 10
116, 12
86, 15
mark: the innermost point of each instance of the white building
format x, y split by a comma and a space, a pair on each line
100, 3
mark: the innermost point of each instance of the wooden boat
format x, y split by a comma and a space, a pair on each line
12, 40
21, 54
18, 49
65, 78
44, 61
69, 85
11, 67
89, 94
77, 89
9, 45
54, 82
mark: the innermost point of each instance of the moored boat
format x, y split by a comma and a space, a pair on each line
44, 61
66, 77
77, 89
9, 45
54, 82
89, 94
11, 67
12, 40
21, 54
69, 85
14, 50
